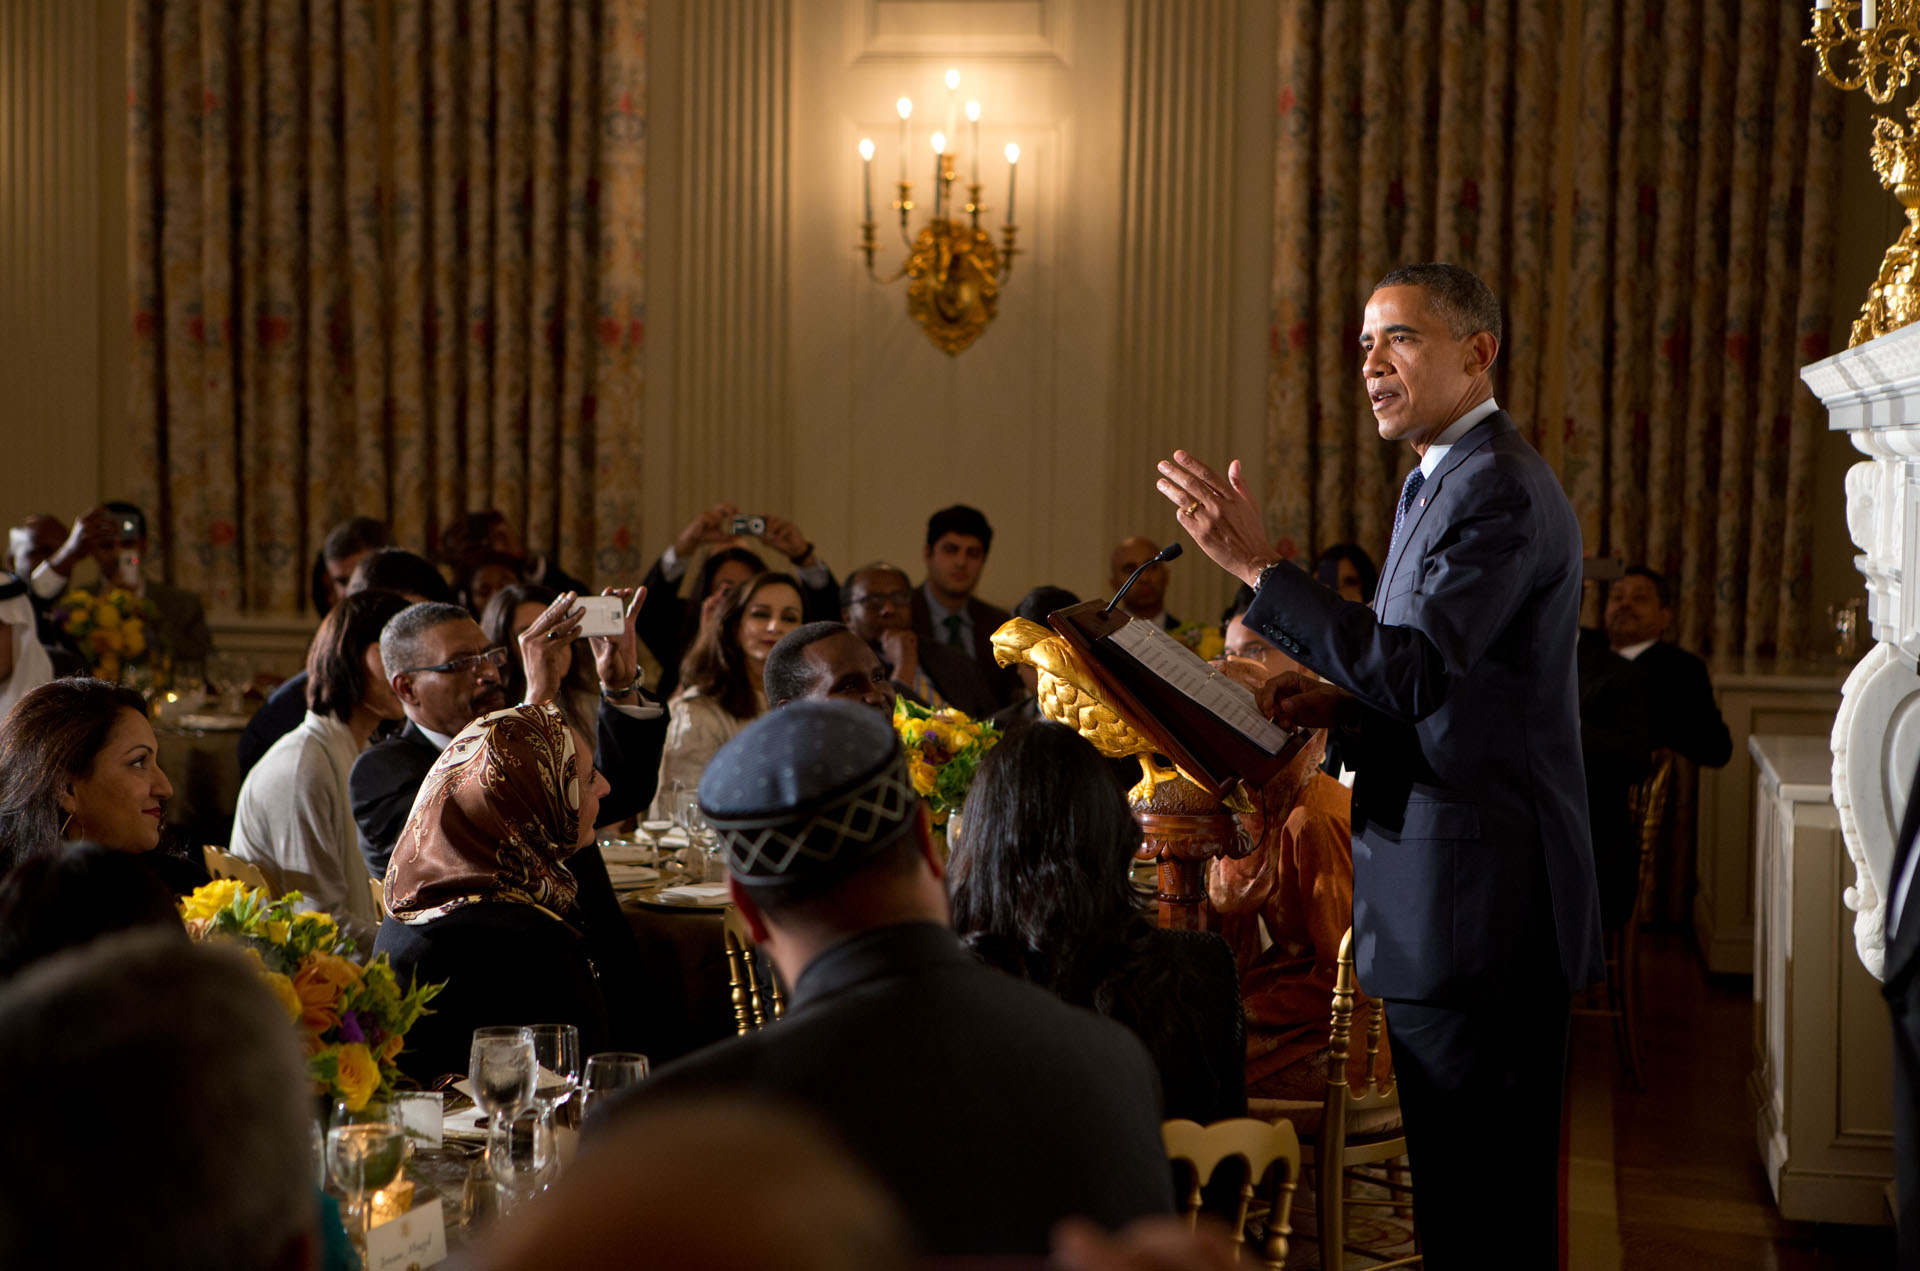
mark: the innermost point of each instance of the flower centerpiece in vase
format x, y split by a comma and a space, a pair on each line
943, 748
116, 631
353, 1018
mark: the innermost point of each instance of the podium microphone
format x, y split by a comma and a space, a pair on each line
1167, 553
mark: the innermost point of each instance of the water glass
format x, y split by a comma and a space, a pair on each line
521, 1155
556, 1048
607, 1073
365, 1149
501, 1071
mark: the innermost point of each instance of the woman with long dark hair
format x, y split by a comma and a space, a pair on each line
668, 623
721, 689
1041, 887
79, 761
508, 614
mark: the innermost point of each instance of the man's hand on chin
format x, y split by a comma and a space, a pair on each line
1293, 700
1220, 514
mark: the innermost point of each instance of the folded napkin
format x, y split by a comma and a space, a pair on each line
695, 894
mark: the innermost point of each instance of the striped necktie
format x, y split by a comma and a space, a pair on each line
1408, 493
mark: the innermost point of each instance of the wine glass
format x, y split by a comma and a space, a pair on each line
608, 1072
230, 673
656, 832
365, 1149
520, 1154
501, 1070
556, 1048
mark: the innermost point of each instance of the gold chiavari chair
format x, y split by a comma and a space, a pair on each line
224, 864
1269, 1148
751, 977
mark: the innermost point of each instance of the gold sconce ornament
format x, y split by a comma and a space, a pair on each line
1875, 45
954, 270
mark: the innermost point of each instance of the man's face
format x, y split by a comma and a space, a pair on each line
1348, 576
1634, 612
340, 574
881, 600
954, 563
844, 668
447, 701
1149, 591
1418, 377
1243, 641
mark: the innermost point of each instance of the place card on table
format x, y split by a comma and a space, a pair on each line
417, 1238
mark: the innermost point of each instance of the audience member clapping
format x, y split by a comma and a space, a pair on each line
478, 892
167, 1116
723, 684
79, 761
1042, 889
294, 818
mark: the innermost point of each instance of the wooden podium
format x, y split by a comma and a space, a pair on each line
1169, 699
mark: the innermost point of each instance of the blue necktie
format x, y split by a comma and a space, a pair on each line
1408, 493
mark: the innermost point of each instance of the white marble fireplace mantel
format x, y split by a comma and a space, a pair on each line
1873, 394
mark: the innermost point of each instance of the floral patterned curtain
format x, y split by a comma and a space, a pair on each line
386, 259
1649, 186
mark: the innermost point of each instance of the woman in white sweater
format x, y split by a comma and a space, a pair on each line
295, 816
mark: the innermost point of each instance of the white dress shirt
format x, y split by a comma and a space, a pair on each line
1437, 450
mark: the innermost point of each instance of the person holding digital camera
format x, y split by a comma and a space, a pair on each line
114, 535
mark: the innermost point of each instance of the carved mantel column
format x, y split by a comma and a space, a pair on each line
1872, 392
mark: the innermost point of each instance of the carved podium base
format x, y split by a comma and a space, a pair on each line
1185, 827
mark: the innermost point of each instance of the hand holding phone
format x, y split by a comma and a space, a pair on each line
601, 615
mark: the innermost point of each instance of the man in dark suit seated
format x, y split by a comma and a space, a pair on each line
1685, 718
988, 1107
1147, 598
445, 675
945, 610
1456, 698
877, 605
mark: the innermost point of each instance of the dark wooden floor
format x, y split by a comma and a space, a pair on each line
1690, 1190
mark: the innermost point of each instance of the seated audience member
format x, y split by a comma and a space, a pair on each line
123, 563
479, 574
723, 680
1146, 599
823, 661
877, 605
479, 885
294, 817
382, 569
670, 621
1346, 569
24, 664
79, 762
345, 546
1042, 888
167, 1078
1685, 718
1036, 606
988, 1107
489, 531
1616, 750
30, 545
75, 896
946, 611
669, 1178
508, 614
446, 675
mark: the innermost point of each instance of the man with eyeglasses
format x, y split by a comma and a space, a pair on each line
877, 605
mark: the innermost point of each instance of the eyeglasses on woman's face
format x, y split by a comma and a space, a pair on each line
496, 657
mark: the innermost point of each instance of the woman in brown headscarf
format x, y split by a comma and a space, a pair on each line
477, 889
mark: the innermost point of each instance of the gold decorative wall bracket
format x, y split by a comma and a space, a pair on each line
1874, 46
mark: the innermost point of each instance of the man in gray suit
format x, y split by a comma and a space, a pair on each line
1455, 698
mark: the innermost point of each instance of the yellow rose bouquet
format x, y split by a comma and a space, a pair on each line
943, 750
1204, 638
114, 630
353, 1018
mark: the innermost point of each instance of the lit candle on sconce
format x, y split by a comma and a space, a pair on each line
973, 117
1013, 169
866, 176
905, 107
1869, 14
939, 150
953, 90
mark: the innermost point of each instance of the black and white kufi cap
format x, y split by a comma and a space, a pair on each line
807, 792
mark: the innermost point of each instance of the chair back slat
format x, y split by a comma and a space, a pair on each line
747, 970
1267, 1147
224, 864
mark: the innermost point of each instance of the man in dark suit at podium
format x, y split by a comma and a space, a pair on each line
1455, 699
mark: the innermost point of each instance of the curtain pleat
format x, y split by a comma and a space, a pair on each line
1656, 228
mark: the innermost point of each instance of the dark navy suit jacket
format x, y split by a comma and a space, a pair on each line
1473, 874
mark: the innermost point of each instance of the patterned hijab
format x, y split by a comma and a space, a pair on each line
495, 817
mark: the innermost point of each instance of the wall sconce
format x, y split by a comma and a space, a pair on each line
953, 270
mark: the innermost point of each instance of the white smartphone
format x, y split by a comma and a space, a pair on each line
601, 616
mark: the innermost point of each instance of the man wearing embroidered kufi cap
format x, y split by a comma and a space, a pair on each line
990, 1108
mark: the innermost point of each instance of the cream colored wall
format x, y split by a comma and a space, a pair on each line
867, 426
63, 236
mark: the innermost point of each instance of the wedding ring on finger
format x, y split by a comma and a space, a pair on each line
1191, 508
